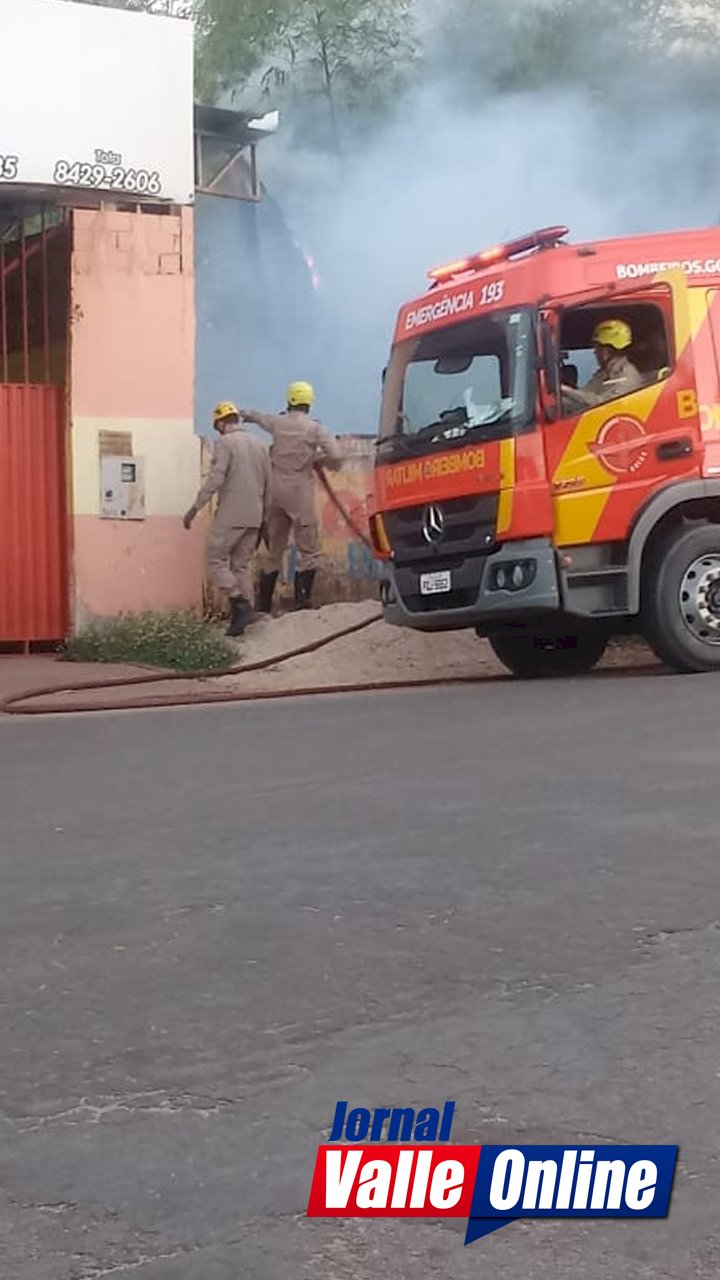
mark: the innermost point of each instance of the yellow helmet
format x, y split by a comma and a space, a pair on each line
612, 333
300, 393
225, 409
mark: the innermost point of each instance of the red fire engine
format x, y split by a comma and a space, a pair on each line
548, 466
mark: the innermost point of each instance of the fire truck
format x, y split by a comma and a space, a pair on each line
547, 521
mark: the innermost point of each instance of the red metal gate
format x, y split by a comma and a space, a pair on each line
34, 306
33, 514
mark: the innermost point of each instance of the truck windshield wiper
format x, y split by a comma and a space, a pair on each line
391, 445
450, 421
500, 419
458, 428
444, 428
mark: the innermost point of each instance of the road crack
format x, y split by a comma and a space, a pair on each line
151, 1103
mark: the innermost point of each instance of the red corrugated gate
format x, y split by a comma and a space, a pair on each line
34, 308
33, 514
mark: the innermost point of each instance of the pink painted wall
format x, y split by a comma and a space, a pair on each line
130, 567
132, 369
133, 315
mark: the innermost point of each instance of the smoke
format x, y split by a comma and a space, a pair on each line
461, 164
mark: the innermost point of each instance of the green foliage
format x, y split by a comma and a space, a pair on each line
348, 52
549, 45
174, 641
343, 46
234, 38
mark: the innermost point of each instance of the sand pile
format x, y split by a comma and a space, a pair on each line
377, 653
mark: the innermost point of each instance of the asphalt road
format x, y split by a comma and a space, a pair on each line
216, 923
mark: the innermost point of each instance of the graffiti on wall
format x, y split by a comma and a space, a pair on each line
339, 542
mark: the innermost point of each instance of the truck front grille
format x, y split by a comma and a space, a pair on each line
468, 529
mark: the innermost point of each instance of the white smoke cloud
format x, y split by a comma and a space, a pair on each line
442, 180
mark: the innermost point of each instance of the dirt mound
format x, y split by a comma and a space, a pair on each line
377, 653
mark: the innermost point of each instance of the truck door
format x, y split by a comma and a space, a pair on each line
605, 459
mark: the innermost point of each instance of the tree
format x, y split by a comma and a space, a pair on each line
555, 44
348, 53
351, 53
234, 39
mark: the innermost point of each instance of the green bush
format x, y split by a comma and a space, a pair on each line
176, 641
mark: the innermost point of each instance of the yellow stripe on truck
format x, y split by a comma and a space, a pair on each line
577, 516
507, 485
587, 483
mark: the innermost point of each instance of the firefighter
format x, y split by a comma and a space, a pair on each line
615, 376
299, 445
240, 476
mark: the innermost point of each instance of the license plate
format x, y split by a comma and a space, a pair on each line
432, 584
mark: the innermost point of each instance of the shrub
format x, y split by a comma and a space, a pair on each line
176, 641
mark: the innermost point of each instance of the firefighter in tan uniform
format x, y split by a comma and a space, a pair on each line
615, 376
240, 476
299, 445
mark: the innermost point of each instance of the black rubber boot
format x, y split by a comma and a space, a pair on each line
240, 615
266, 587
303, 588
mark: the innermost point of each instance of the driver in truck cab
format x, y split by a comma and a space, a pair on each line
615, 376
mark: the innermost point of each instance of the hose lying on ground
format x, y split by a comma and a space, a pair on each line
16, 704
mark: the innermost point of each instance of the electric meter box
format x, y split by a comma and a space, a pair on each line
122, 488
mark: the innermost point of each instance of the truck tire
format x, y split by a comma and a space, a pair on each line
532, 657
681, 599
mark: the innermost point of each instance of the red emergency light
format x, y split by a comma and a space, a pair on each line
546, 238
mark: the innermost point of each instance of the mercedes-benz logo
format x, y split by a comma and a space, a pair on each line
433, 524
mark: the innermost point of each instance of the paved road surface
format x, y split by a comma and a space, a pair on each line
215, 923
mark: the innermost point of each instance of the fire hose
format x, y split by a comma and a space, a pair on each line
362, 537
16, 704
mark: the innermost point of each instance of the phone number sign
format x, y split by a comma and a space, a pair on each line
105, 172
108, 172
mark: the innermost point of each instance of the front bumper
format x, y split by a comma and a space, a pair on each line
475, 599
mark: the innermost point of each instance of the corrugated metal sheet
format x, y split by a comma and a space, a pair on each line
33, 514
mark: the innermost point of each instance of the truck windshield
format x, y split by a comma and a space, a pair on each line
471, 377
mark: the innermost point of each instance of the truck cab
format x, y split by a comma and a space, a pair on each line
543, 487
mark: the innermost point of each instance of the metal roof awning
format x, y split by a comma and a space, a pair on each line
226, 151
240, 127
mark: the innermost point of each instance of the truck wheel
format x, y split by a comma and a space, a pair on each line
534, 656
681, 599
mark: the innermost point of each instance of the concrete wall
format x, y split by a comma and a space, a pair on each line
131, 371
349, 572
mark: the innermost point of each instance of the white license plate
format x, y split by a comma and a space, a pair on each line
432, 584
